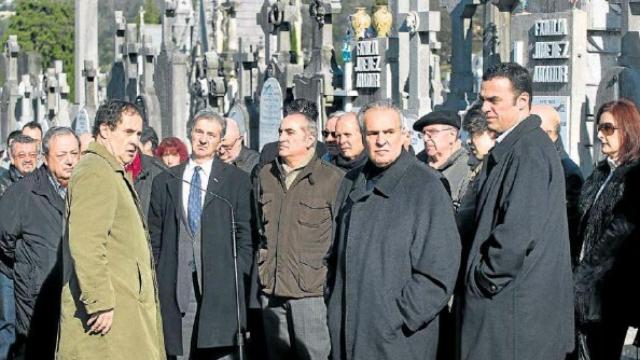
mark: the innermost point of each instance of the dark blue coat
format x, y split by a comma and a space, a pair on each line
518, 298
395, 260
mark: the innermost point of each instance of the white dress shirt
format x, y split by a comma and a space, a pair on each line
204, 181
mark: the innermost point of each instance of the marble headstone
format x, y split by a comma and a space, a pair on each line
270, 111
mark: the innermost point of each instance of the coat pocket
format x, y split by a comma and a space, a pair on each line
313, 273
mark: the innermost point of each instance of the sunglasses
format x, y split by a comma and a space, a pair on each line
326, 133
607, 129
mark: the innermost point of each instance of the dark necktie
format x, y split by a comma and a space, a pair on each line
195, 201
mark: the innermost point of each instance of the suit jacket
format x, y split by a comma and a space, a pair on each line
216, 323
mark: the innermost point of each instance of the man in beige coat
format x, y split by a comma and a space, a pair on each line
109, 300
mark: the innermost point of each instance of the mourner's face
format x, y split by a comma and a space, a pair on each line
64, 153
501, 105
24, 157
205, 138
231, 143
438, 139
171, 158
33, 133
329, 135
481, 143
123, 141
349, 137
294, 139
609, 135
384, 136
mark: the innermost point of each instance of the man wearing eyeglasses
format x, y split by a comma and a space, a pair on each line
443, 150
23, 153
232, 150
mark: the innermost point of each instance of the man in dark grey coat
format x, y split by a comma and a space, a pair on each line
396, 251
518, 298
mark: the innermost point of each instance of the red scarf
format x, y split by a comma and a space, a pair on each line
135, 167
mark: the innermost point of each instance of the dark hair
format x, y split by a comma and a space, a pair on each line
628, 121
302, 106
111, 112
22, 139
475, 121
519, 77
308, 109
53, 132
12, 136
33, 125
172, 145
148, 134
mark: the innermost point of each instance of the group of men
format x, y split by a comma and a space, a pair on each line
352, 250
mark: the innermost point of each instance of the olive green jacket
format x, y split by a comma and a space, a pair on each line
107, 265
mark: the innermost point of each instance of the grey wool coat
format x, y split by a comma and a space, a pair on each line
518, 297
395, 260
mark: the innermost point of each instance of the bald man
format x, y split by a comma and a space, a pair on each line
572, 174
232, 150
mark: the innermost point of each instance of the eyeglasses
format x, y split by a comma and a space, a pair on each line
230, 146
326, 133
607, 129
432, 132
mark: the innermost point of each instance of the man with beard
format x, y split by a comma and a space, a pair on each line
390, 284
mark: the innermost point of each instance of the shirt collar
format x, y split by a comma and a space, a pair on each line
504, 134
60, 190
206, 166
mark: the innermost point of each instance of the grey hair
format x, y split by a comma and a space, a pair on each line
23, 139
336, 114
52, 133
208, 114
379, 105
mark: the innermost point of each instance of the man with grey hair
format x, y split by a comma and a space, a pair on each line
350, 144
191, 235
30, 235
295, 194
329, 135
24, 152
232, 149
390, 285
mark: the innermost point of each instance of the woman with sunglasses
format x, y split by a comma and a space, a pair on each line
607, 267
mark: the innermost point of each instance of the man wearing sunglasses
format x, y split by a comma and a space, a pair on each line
329, 136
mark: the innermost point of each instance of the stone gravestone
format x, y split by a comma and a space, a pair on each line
553, 47
270, 112
81, 123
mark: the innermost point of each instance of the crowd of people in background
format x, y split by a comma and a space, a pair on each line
334, 243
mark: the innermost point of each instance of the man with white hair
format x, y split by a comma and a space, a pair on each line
232, 150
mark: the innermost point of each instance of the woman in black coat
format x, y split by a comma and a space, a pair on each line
606, 272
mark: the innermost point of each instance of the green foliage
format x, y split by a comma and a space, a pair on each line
46, 27
151, 12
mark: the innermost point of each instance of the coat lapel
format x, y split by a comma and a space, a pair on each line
216, 177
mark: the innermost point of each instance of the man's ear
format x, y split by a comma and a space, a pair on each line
104, 130
523, 101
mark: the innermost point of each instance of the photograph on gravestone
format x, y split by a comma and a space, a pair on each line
561, 105
271, 101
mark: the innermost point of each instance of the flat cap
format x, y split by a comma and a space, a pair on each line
443, 117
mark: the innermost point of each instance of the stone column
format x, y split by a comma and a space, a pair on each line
63, 118
26, 108
86, 41
132, 50
10, 93
89, 74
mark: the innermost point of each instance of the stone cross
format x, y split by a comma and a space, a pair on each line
62, 118
10, 93
131, 53
52, 94
461, 87
86, 40
26, 91
149, 54
419, 23
247, 63
121, 31
323, 12
269, 29
89, 73
11, 51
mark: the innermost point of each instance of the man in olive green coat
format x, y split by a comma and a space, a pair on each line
109, 300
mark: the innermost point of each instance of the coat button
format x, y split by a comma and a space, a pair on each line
494, 288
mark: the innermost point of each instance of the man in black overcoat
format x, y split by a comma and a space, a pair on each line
190, 230
396, 251
518, 298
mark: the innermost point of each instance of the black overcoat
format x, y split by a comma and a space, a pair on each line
30, 234
518, 298
216, 322
395, 259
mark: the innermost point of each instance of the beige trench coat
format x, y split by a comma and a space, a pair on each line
108, 265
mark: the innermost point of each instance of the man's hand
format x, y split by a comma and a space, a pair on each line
100, 322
